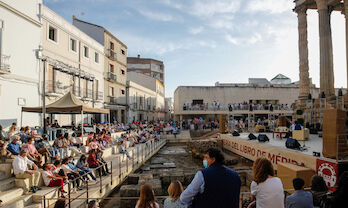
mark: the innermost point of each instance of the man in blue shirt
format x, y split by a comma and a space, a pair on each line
13, 147
301, 198
214, 186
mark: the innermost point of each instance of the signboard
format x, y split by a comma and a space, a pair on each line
329, 171
252, 150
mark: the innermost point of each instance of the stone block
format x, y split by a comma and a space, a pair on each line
130, 191
133, 179
23, 183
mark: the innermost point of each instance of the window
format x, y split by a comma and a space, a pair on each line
73, 45
111, 45
52, 33
122, 92
111, 91
85, 51
111, 68
122, 71
123, 52
96, 57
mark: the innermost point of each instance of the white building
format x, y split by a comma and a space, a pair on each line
145, 97
20, 37
74, 61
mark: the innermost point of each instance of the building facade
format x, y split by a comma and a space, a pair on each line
154, 106
236, 99
150, 67
115, 68
74, 61
20, 32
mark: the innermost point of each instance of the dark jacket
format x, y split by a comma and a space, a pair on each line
221, 188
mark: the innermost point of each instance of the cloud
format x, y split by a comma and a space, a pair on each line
196, 30
157, 16
269, 6
255, 38
171, 4
209, 8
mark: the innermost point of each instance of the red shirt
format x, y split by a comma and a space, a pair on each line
92, 159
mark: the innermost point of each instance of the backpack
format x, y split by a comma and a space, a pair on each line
263, 138
292, 143
235, 133
252, 136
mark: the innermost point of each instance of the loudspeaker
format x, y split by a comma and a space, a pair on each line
252, 136
292, 143
235, 133
263, 138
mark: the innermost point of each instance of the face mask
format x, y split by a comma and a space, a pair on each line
205, 163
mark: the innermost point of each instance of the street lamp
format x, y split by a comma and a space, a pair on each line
322, 105
340, 99
309, 109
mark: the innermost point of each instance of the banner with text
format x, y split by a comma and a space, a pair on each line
253, 150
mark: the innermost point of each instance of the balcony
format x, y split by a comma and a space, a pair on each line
4, 64
87, 94
111, 54
53, 88
99, 95
111, 76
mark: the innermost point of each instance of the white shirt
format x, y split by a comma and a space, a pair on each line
269, 194
66, 169
20, 164
45, 177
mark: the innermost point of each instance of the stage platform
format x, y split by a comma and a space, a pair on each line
314, 143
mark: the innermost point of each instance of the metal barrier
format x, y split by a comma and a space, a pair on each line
146, 152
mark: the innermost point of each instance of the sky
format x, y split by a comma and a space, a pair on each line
202, 42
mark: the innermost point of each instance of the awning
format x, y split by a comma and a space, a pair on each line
68, 104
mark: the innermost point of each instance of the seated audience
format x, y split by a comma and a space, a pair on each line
33, 154
93, 162
122, 149
14, 147
301, 198
340, 196
147, 197
267, 189
319, 190
83, 165
174, 190
20, 170
61, 145
72, 175
51, 180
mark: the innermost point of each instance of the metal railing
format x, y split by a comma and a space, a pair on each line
4, 65
99, 95
243, 107
87, 93
143, 153
111, 54
111, 76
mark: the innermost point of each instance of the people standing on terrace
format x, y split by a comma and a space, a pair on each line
265, 188
214, 186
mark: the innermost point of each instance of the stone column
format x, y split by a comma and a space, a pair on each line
346, 16
303, 53
326, 55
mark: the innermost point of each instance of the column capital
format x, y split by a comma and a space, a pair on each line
322, 4
301, 10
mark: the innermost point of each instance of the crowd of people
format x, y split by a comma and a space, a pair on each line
216, 105
219, 186
62, 160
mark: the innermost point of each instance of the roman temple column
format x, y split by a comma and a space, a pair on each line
303, 52
326, 55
